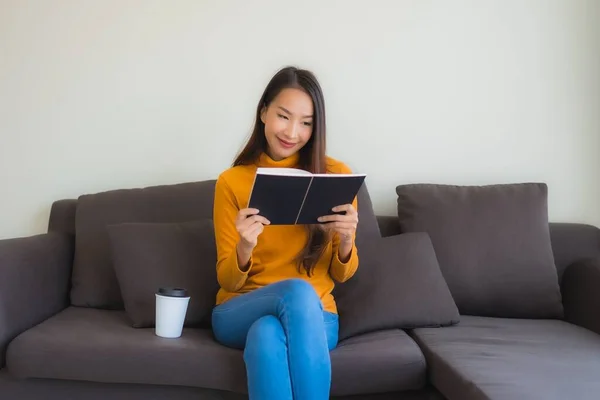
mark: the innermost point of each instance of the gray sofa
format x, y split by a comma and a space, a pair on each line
65, 332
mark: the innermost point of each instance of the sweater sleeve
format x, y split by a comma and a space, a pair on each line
338, 270
229, 275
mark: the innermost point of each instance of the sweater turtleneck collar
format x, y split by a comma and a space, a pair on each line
265, 161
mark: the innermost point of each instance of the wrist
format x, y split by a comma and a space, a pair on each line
346, 241
244, 254
244, 247
345, 250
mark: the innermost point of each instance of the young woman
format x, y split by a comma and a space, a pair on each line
275, 300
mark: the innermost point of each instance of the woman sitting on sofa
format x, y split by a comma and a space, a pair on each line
275, 300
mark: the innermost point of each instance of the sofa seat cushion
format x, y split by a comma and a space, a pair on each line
88, 344
377, 362
102, 346
498, 359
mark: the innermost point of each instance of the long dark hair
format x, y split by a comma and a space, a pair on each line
312, 154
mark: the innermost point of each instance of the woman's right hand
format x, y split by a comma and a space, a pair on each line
249, 226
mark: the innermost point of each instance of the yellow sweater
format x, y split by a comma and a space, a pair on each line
273, 258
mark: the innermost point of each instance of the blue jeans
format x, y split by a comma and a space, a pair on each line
286, 336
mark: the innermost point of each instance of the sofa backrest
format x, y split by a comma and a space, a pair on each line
94, 282
570, 241
62, 216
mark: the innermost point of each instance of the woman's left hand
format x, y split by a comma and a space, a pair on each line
343, 224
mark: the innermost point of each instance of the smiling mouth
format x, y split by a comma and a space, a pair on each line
285, 144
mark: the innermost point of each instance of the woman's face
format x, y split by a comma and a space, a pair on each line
288, 123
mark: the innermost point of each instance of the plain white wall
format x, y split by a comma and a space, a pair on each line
99, 95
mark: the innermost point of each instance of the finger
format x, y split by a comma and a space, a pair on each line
336, 217
253, 219
260, 218
246, 212
255, 229
332, 218
349, 208
342, 226
249, 232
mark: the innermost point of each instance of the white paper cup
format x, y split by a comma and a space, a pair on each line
171, 308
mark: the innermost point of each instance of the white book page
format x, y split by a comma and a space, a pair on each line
283, 171
337, 175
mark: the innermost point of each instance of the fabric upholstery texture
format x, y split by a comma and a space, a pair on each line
493, 245
148, 256
62, 347
94, 280
506, 359
399, 284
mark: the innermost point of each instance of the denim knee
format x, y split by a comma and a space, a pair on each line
298, 293
264, 338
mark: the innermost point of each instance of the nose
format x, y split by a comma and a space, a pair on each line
292, 132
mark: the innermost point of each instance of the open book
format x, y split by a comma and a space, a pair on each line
288, 196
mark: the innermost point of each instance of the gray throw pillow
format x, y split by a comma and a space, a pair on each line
492, 243
398, 285
147, 256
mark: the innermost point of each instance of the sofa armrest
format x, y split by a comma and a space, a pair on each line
581, 293
34, 282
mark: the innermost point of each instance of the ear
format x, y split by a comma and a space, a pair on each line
263, 114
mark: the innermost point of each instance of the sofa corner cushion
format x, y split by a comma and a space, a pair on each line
492, 243
148, 256
94, 283
512, 358
398, 285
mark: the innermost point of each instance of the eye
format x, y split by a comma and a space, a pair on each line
308, 123
282, 116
